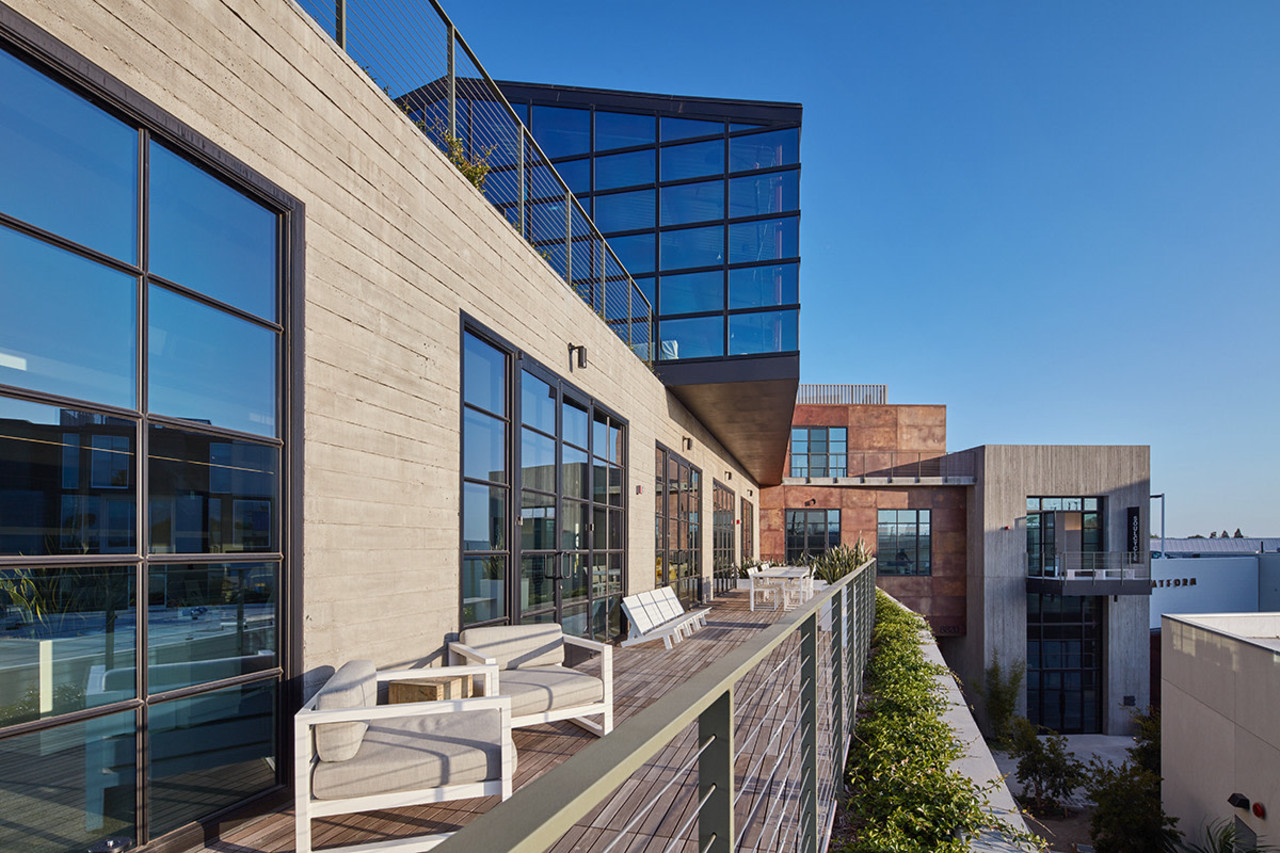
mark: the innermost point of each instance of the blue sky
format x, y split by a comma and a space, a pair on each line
1060, 219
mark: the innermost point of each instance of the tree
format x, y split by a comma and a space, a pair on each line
1045, 764
1000, 696
1128, 816
1237, 534
1223, 535
1213, 535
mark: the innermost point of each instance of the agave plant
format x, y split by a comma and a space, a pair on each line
835, 563
1219, 836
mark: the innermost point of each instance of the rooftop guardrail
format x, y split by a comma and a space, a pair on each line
787, 698
414, 53
842, 395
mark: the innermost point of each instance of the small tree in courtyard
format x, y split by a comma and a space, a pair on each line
1045, 764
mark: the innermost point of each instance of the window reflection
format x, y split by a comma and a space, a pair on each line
768, 240
562, 131
692, 247
620, 130
700, 337
211, 494
778, 192
769, 331
93, 355
210, 237
764, 150
625, 211
693, 160
624, 170
690, 292
692, 202
66, 165
752, 287
66, 481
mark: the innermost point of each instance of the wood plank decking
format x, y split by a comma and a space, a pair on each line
641, 675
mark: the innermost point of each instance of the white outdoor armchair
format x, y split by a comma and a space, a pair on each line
531, 670
353, 755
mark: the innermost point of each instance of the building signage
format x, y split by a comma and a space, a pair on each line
1161, 584
1133, 529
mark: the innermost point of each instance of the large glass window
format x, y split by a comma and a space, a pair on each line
809, 532
1064, 662
622, 130
903, 542
758, 287
693, 292
724, 570
764, 150
562, 131
564, 561
693, 160
819, 451
99, 622
753, 195
763, 331
693, 247
625, 170
686, 203
678, 525
1063, 534
696, 337
764, 240
625, 211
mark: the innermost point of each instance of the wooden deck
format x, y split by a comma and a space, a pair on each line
641, 675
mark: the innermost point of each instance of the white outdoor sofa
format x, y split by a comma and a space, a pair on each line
353, 755
658, 615
531, 670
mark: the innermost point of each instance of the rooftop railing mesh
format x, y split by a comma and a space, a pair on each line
414, 53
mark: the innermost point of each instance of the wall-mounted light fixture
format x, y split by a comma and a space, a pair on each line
728, 475
811, 502
581, 351
1239, 801
750, 493
687, 442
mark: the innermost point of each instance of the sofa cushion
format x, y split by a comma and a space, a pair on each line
416, 753
354, 685
518, 646
534, 690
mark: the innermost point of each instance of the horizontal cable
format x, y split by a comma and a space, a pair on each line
644, 809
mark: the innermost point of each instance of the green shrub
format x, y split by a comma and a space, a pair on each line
1045, 763
903, 796
1000, 695
1127, 814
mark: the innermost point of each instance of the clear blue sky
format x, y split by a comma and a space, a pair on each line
1060, 219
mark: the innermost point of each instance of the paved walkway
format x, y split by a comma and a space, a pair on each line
1111, 748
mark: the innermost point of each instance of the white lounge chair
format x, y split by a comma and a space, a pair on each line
659, 615
531, 670
353, 755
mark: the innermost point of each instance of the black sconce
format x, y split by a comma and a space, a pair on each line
1239, 801
581, 350
687, 442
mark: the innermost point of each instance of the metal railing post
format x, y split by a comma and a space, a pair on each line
520, 191
340, 23
838, 663
568, 240
715, 776
809, 832
453, 83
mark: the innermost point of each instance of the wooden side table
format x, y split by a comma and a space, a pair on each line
432, 688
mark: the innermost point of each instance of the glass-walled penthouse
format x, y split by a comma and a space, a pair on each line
699, 198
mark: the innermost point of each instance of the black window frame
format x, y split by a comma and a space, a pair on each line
801, 544
910, 557
800, 461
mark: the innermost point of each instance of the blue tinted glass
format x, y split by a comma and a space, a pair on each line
484, 446
484, 517
223, 741
756, 287
68, 325
646, 287
736, 126
697, 338
502, 186
769, 240
209, 622
635, 252
693, 247
687, 128
537, 403
209, 237
625, 211
211, 495
562, 131
625, 170
772, 331
72, 787
66, 165
778, 192
693, 160
764, 150
696, 291
210, 367
692, 202
576, 173
66, 481
493, 133
621, 130
484, 375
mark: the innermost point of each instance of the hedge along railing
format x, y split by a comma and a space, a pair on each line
413, 51
804, 674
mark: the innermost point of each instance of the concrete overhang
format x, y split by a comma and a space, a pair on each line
1089, 586
746, 402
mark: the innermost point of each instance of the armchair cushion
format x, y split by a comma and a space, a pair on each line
518, 646
535, 690
416, 753
354, 685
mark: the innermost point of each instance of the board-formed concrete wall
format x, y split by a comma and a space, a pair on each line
997, 589
398, 247
1220, 734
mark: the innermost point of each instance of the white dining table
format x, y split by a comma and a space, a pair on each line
786, 574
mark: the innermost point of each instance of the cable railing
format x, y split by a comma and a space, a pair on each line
842, 395
1089, 565
747, 755
414, 53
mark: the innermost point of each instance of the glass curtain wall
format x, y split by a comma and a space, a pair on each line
1057, 527
678, 502
724, 570
809, 532
1064, 662
527, 435
142, 514
704, 213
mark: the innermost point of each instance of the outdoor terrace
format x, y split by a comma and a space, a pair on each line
789, 735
